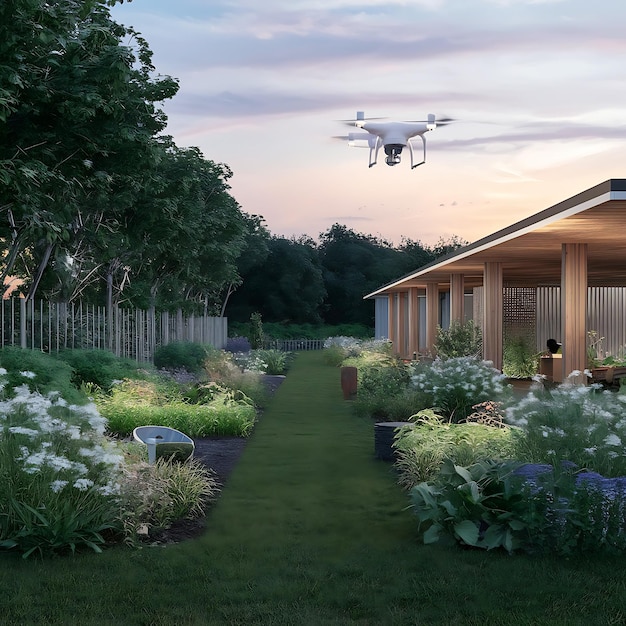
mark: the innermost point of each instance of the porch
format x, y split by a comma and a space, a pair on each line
558, 273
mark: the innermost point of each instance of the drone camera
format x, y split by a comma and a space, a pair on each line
393, 152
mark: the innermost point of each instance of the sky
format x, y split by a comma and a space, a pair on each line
537, 89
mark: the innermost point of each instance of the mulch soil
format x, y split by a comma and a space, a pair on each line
220, 454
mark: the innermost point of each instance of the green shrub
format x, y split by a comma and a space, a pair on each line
98, 367
233, 372
256, 334
153, 497
386, 379
480, 506
276, 361
537, 509
581, 424
41, 372
58, 476
520, 359
422, 447
218, 364
383, 391
181, 355
397, 408
460, 339
334, 355
139, 403
455, 385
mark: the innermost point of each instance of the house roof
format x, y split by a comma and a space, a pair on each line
530, 250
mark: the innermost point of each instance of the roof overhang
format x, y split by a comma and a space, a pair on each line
530, 250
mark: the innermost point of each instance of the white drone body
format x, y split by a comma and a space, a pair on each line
392, 136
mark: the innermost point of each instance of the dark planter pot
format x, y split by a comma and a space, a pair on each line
384, 436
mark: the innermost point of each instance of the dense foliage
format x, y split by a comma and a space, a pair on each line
95, 202
422, 447
302, 281
544, 472
66, 480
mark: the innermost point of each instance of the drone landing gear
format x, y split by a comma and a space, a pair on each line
413, 166
374, 151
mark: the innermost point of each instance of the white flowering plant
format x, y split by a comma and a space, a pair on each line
582, 424
58, 473
455, 385
338, 349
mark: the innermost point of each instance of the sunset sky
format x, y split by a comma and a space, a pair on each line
538, 89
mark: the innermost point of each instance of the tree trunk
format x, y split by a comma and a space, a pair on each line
40, 270
109, 308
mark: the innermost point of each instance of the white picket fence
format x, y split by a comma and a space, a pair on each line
295, 345
130, 333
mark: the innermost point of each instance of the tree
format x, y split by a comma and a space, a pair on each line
254, 253
185, 234
287, 286
79, 120
354, 265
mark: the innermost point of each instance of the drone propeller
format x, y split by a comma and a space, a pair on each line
442, 121
360, 117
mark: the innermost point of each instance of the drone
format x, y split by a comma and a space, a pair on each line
393, 136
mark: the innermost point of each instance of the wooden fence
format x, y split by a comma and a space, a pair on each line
130, 333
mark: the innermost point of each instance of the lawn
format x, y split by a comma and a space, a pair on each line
311, 529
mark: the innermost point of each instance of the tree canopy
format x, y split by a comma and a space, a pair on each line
92, 193
328, 282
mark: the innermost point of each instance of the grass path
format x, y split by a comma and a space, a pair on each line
311, 529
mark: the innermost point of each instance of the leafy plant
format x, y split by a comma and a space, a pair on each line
481, 506
98, 367
395, 408
154, 496
576, 423
460, 339
275, 361
422, 447
387, 379
595, 348
257, 337
534, 508
520, 360
181, 354
383, 390
239, 373
40, 372
58, 475
455, 385
334, 355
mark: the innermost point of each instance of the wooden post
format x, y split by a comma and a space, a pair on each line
574, 309
391, 321
402, 303
414, 322
457, 298
432, 316
493, 313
